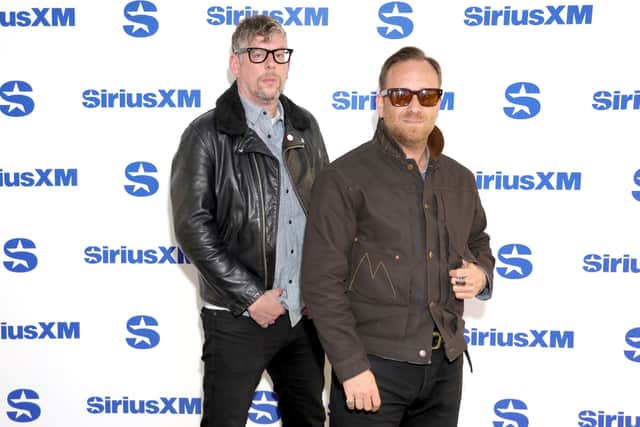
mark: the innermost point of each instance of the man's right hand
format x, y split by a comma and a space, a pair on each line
266, 309
362, 392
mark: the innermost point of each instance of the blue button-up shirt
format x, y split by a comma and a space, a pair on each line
291, 216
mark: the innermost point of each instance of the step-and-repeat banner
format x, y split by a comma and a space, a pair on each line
99, 317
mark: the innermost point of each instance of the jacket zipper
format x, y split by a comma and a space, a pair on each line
263, 236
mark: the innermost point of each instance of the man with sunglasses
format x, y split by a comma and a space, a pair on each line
240, 189
395, 242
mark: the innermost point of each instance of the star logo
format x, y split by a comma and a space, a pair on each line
264, 408
22, 257
143, 24
17, 102
23, 401
517, 266
144, 330
398, 25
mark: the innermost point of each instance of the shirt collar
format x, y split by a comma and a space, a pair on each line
253, 112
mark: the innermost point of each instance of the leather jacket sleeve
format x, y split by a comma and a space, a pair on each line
193, 201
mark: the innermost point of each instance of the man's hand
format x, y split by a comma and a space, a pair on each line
266, 309
362, 392
467, 281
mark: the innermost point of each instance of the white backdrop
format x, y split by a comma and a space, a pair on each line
98, 309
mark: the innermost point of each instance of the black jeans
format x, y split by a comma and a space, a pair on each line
412, 395
236, 352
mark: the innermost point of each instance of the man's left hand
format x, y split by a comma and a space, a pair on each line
467, 281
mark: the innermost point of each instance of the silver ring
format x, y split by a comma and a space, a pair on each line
349, 401
461, 280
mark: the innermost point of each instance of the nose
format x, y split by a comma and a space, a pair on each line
270, 62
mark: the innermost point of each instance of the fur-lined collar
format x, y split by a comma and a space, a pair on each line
230, 117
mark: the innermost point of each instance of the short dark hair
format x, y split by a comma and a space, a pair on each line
254, 26
407, 53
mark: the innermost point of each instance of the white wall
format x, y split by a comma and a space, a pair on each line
71, 335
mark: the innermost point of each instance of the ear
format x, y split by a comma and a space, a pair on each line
380, 106
234, 65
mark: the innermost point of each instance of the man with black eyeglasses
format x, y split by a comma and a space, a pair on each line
395, 242
240, 189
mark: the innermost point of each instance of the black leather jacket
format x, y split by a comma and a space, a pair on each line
225, 194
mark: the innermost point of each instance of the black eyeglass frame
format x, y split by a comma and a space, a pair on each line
423, 95
248, 50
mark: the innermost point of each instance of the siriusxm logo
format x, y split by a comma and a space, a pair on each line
264, 408
46, 17
40, 178
140, 14
124, 255
19, 251
343, 100
303, 16
41, 331
13, 101
539, 181
526, 106
515, 256
24, 404
144, 183
511, 410
603, 419
636, 181
531, 338
394, 14
162, 406
616, 100
633, 340
144, 330
559, 15
163, 98
605, 263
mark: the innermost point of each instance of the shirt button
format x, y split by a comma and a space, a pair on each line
410, 167
422, 353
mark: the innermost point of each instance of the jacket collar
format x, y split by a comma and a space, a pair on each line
389, 144
230, 118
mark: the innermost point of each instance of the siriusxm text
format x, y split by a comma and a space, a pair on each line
552, 15
537, 181
603, 419
616, 100
125, 255
354, 100
531, 338
160, 406
162, 98
605, 263
308, 16
40, 178
46, 17
40, 331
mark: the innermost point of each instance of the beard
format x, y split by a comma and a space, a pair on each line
268, 93
414, 136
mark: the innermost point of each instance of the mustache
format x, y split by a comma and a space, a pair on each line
413, 114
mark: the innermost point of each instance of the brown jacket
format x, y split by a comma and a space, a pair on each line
379, 244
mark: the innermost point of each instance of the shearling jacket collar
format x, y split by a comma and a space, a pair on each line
230, 118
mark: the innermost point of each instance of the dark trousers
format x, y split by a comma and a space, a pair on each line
412, 395
236, 352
